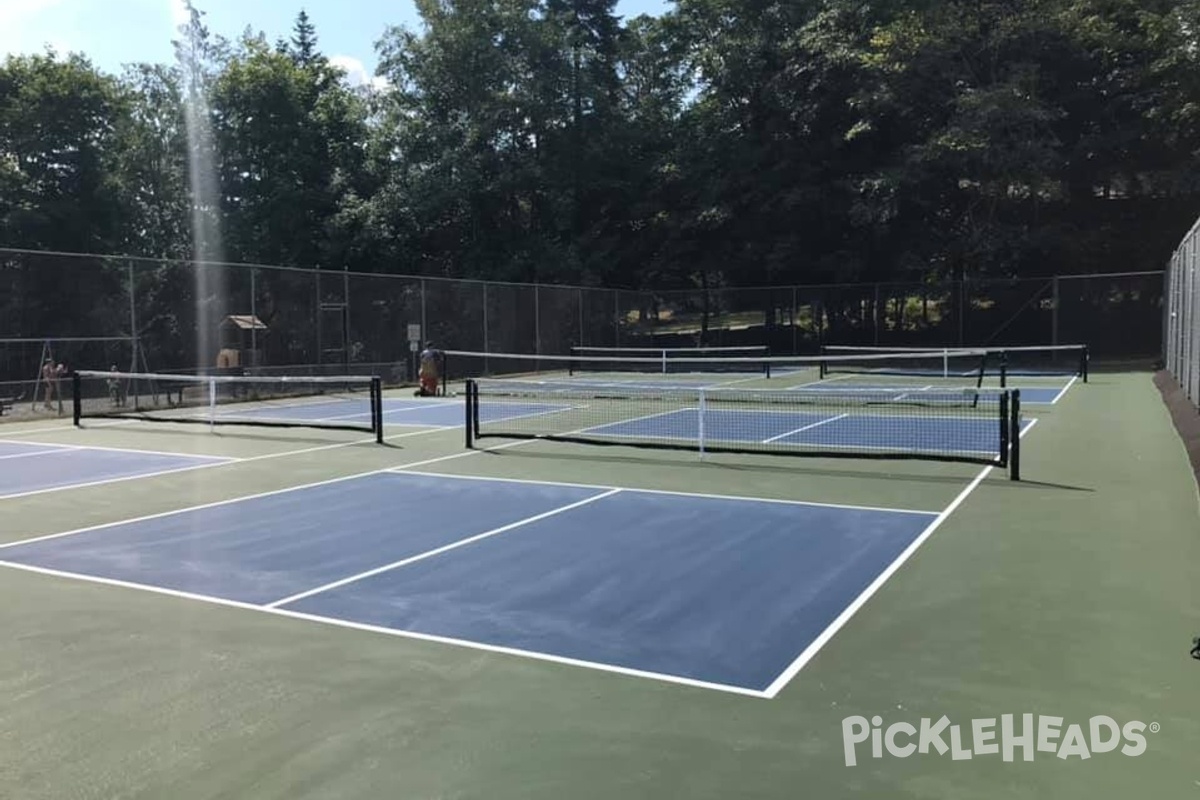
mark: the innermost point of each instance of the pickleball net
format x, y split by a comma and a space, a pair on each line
345, 402
669, 360
1067, 360
966, 424
950, 368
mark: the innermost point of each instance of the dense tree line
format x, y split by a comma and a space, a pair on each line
728, 142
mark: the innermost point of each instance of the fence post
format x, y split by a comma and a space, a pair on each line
875, 314
486, 345
1054, 314
317, 311
537, 320
616, 317
424, 326
795, 327
133, 325
254, 359
346, 344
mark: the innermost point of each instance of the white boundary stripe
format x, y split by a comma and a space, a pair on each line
804, 428
209, 464
556, 409
849, 611
68, 427
775, 687
600, 428
133, 450
437, 551
1070, 383
668, 492
214, 461
402, 634
44, 452
232, 500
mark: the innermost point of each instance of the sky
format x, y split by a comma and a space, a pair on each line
116, 32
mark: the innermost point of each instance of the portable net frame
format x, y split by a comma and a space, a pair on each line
1026, 361
970, 425
345, 402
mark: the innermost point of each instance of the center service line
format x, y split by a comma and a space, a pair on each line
438, 551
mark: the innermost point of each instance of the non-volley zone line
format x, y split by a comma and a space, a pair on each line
46, 467
606, 578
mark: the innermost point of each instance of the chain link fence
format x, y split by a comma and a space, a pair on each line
180, 316
1181, 318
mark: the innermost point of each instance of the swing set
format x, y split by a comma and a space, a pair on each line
58, 357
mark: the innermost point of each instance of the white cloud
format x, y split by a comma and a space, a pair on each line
356, 72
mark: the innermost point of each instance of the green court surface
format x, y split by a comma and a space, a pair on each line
1072, 593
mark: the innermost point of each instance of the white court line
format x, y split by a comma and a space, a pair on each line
70, 426
555, 410
668, 492
105, 481
231, 500
643, 418
769, 693
804, 428
116, 449
437, 551
213, 461
719, 384
849, 611
46, 452
401, 634
1070, 383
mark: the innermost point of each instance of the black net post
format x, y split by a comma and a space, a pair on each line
1014, 459
1005, 429
377, 407
468, 405
1083, 363
76, 398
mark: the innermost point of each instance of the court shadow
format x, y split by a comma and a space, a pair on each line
1049, 485
241, 434
793, 466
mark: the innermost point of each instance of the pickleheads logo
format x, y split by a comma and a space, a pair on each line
982, 737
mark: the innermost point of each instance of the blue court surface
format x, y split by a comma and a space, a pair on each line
28, 467
825, 429
726, 593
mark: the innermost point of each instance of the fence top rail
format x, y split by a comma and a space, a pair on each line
62, 339
661, 292
328, 272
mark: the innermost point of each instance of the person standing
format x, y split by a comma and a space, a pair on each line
50, 377
430, 371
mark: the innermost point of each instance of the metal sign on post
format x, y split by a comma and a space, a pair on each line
414, 332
